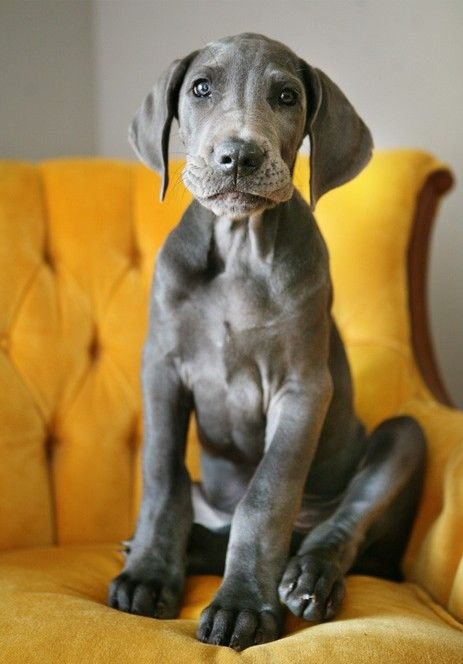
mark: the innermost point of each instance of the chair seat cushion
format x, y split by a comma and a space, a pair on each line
52, 609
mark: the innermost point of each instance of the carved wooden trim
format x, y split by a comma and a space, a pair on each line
437, 184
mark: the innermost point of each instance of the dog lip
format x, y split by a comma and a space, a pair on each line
236, 195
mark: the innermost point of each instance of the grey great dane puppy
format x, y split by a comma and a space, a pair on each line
294, 493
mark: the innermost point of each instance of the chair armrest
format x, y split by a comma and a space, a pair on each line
435, 554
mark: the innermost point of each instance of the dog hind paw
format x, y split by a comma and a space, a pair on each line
312, 588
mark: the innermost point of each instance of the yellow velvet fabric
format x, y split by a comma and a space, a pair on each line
77, 244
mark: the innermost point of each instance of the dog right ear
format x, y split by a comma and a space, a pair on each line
340, 142
150, 129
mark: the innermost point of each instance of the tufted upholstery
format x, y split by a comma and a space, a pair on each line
77, 243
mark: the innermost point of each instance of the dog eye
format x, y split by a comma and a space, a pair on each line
202, 88
288, 97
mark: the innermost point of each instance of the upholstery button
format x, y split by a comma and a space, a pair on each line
94, 348
135, 257
50, 444
48, 259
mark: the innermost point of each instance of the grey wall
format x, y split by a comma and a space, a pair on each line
77, 70
47, 101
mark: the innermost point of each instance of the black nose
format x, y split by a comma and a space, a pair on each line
237, 157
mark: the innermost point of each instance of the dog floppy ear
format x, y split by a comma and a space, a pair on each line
150, 129
340, 142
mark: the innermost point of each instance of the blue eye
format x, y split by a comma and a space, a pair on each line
202, 88
288, 97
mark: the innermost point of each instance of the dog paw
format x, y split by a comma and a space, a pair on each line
145, 596
227, 623
312, 588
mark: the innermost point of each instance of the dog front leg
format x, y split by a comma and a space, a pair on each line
151, 582
246, 609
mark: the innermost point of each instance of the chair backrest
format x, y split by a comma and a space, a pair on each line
77, 244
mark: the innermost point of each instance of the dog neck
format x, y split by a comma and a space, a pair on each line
250, 240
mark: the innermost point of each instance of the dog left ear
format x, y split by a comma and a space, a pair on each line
340, 143
150, 129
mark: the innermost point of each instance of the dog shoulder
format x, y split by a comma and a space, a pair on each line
185, 251
302, 254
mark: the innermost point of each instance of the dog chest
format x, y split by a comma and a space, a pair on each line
237, 322
229, 372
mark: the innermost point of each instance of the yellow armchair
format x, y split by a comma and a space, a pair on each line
77, 243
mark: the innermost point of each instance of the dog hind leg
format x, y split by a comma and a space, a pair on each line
368, 532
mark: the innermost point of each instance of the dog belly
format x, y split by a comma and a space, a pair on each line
206, 513
230, 417
231, 430
313, 510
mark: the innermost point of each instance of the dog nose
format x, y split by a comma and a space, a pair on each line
237, 157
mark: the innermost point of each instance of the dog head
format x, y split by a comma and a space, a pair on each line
244, 105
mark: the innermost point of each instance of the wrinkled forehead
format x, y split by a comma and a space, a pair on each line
246, 53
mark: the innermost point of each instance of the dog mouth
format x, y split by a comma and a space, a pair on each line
236, 204
238, 198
